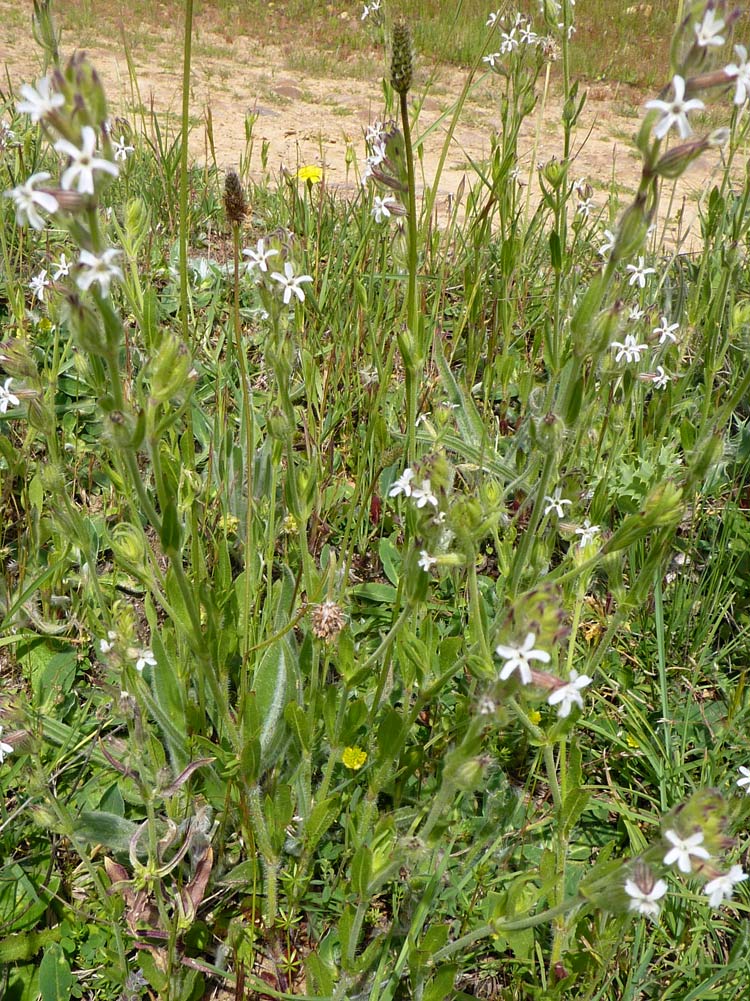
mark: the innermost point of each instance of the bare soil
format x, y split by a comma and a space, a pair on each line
304, 118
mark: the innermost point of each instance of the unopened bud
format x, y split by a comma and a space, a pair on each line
235, 204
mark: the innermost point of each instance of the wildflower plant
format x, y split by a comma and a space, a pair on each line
337, 574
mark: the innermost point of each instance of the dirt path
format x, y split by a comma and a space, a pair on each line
303, 119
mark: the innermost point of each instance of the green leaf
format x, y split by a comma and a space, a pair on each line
270, 685
361, 871
441, 985
108, 829
55, 978
321, 817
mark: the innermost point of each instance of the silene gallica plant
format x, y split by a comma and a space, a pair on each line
364, 639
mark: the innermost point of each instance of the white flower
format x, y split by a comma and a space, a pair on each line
639, 272
258, 258
660, 378
720, 889
491, 20
377, 156
743, 783
98, 268
423, 495
122, 152
675, 112
26, 200
491, 58
38, 284
5, 748
683, 848
144, 658
742, 73
40, 102
527, 36
707, 32
426, 562
584, 207
645, 893
556, 503
636, 313
403, 484
374, 133
62, 268
570, 694
7, 399
83, 163
517, 659
629, 349
105, 646
291, 283
588, 533
508, 41
666, 331
611, 239
380, 209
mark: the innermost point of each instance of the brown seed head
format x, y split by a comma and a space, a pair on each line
234, 198
402, 62
327, 621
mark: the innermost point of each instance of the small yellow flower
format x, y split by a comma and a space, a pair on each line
354, 758
310, 173
535, 716
632, 742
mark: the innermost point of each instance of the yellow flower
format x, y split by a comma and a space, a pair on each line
312, 174
535, 716
354, 758
632, 742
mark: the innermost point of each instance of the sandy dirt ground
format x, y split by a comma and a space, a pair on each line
303, 119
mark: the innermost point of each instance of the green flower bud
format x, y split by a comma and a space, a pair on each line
554, 172
128, 547
170, 369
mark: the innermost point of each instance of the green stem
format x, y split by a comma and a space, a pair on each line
186, 58
413, 363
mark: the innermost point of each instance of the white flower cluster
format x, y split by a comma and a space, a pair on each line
29, 199
518, 658
519, 33
288, 281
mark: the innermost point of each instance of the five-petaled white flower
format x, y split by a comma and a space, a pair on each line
556, 503
588, 533
639, 272
403, 484
423, 495
381, 207
660, 378
7, 399
517, 658
144, 658
707, 32
38, 284
741, 72
26, 201
744, 782
83, 163
291, 283
629, 349
62, 268
491, 58
426, 562
570, 694
636, 313
258, 258
490, 22
720, 889
675, 112
666, 331
683, 848
5, 747
609, 243
98, 268
508, 41
122, 150
40, 102
645, 893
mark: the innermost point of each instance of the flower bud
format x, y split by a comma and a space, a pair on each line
170, 369
128, 546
